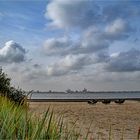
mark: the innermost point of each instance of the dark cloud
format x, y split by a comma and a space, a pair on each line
124, 62
36, 66
12, 52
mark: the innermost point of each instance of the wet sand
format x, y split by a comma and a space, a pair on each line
119, 120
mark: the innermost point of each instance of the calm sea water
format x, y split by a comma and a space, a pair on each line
101, 95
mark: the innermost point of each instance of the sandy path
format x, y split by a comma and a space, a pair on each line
120, 118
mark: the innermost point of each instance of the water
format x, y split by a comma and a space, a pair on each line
87, 95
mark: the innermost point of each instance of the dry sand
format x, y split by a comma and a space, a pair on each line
123, 118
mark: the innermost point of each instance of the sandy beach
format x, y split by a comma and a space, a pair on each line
104, 119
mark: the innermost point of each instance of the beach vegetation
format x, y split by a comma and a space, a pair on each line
6, 89
16, 122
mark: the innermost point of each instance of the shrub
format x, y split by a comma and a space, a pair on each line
7, 90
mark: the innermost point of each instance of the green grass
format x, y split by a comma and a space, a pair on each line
17, 123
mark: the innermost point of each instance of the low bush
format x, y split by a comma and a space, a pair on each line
9, 91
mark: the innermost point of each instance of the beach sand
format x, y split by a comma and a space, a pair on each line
104, 119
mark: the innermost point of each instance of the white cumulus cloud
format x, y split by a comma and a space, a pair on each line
69, 13
12, 52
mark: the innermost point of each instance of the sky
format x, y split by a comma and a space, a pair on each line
71, 44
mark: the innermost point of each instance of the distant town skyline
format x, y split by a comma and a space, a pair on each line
71, 44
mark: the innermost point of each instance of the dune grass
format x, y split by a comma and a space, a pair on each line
17, 123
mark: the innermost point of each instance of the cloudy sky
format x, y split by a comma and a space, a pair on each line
61, 44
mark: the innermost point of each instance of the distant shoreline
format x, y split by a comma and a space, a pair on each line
68, 100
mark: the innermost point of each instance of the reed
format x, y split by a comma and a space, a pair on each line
17, 123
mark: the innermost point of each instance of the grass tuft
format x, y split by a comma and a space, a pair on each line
17, 123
